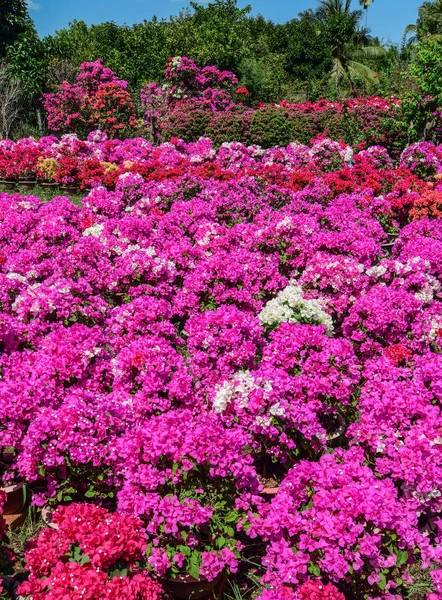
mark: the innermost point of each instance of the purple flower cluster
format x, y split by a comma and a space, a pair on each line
168, 344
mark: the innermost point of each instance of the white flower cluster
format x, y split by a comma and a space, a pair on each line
238, 388
434, 329
290, 306
94, 231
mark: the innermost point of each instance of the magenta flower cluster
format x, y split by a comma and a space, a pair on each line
171, 345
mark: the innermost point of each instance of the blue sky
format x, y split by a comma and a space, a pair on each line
386, 18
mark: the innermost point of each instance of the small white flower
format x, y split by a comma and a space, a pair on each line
94, 231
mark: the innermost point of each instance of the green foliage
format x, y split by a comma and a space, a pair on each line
292, 60
306, 54
216, 34
265, 77
27, 60
351, 45
429, 21
14, 20
20, 46
136, 54
422, 101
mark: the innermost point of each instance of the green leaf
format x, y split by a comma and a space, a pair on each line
231, 517
184, 550
382, 581
194, 566
117, 572
314, 569
401, 557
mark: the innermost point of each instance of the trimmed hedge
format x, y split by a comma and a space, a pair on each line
277, 126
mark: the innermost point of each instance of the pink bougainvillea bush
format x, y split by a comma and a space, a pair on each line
97, 99
188, 85
211, 322
192, 102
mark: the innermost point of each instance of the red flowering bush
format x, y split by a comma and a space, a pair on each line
93, 554
427, 206
98, 99
112, 109
316, 590
67, 170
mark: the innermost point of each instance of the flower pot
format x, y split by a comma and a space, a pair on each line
69, 189
268, 493
186, 587
15, 520
28, 184
15, 498
49, 184
47, 514
8, 183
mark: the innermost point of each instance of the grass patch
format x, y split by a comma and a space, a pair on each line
45, 194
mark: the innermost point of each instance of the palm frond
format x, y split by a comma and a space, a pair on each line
361, 71
369, 52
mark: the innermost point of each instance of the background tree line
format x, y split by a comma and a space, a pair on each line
325, 52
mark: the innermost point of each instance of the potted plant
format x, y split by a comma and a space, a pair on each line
14, 490
11, 175
67, 173
46, 172
195, 494
26, 158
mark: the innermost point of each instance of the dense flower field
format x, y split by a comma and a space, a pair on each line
208, 323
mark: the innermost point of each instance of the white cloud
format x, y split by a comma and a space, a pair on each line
33, 5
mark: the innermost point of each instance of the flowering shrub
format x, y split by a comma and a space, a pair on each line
309, 519
215, 321
362, 124
315, 590
207, 88
98, 99
92, 554
422, 158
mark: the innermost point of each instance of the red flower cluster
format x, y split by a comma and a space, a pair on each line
427, 206
316, 590
242, 91
398, 353
93, 554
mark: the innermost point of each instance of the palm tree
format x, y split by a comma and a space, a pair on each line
332, 7
351, 45
429, 22
365, 4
